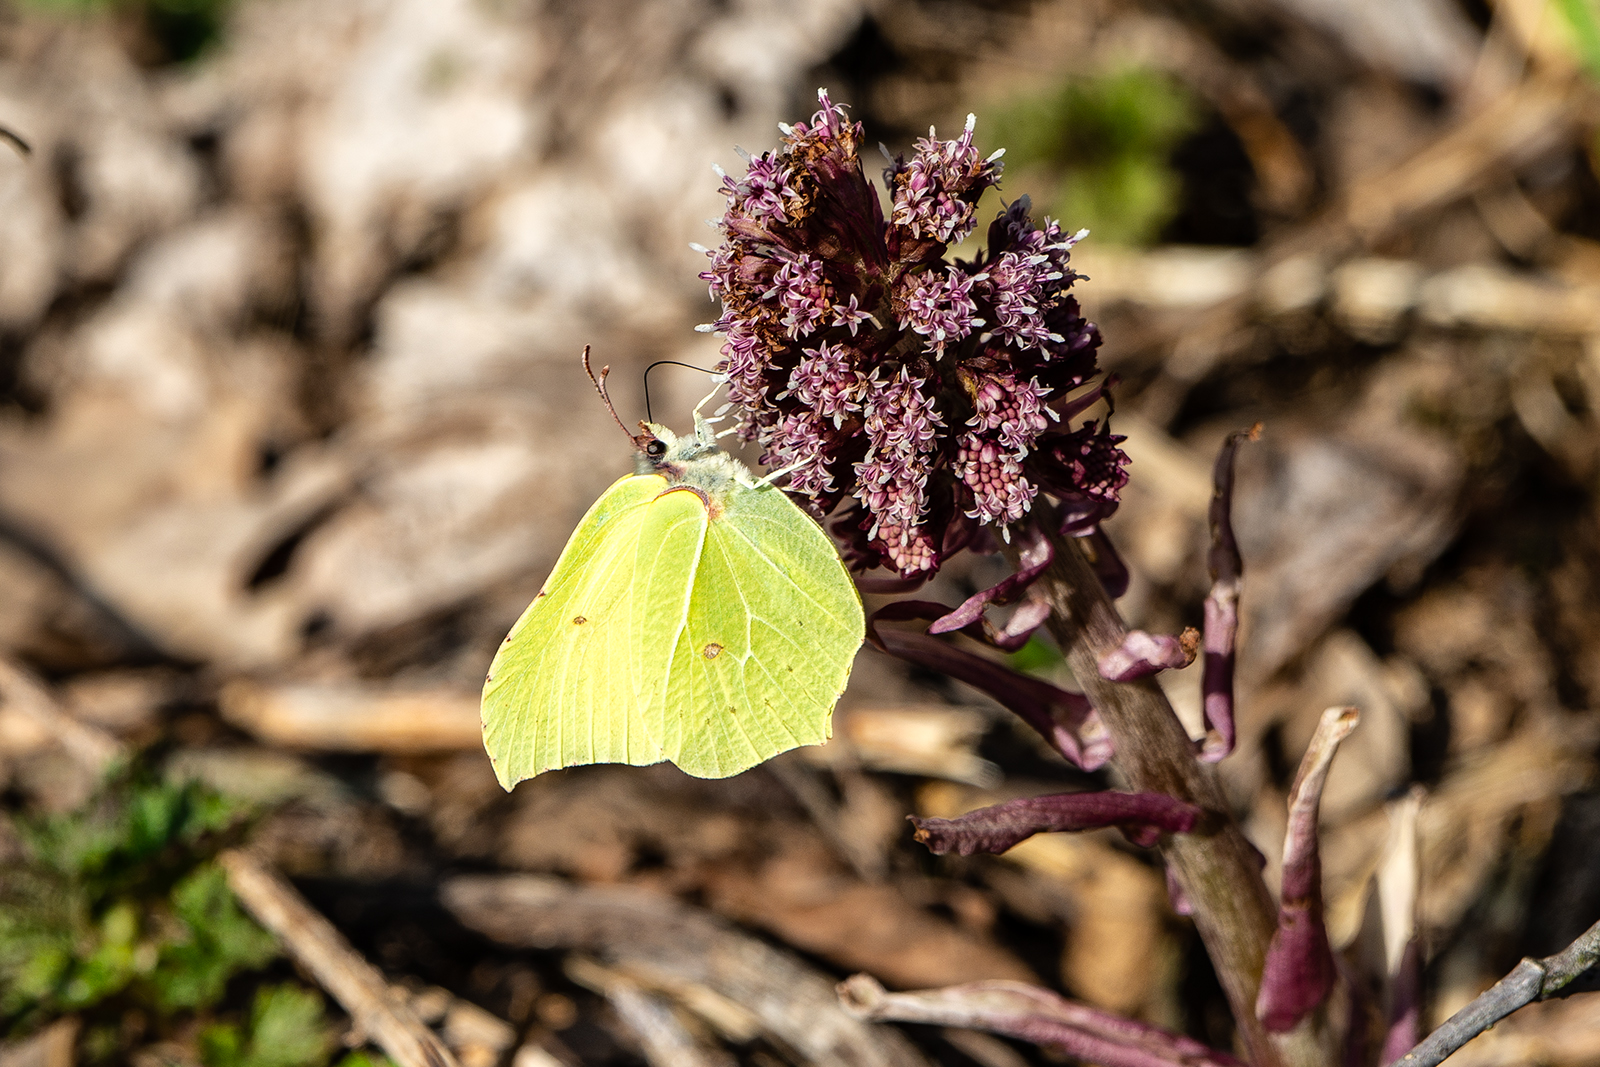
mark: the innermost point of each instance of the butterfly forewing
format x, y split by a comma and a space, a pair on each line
561, 690
763, 624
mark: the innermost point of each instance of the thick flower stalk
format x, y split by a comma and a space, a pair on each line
916, 398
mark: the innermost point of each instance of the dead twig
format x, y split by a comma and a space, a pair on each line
338, 968
23, 695
1539, 116
354, 718
728, 978
663, 1039
1530, 980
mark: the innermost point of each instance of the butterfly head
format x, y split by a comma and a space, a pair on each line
695, 461
663, 452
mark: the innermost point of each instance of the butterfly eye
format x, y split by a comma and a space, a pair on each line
655, 449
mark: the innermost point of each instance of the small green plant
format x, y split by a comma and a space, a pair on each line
286, 1029
121, 898
1097, 150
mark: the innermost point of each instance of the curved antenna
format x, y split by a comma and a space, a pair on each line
14, 139
652, 367
599, 381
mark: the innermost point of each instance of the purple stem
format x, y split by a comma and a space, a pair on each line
1144, 817
1037, 1015
1215, 865
1066, 720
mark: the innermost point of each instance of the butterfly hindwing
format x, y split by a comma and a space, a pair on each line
750, 632
561, 690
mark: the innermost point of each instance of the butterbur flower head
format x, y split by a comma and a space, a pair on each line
914, 397
765, 189
935, 195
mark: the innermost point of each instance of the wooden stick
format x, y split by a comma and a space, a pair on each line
349, 717
338, 968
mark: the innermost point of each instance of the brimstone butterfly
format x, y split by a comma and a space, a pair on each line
697, 615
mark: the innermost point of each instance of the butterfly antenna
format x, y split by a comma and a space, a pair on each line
674, 363
600, 387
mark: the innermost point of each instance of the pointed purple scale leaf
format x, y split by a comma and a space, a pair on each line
1087, 399
1143, 816
1216, 676
1029, 616
1029, 1013
1066, 720
1107, 563
1142, 654
1222, 604
1405, 995
1034, 557
1299, 968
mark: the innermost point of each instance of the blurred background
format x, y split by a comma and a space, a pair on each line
292, 427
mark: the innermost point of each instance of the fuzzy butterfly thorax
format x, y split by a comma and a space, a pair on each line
695, 462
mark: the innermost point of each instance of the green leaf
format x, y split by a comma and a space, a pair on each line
222, 1045
114, 962
1037, 655
218, 940
287, 1029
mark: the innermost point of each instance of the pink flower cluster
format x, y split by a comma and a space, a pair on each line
914, 398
